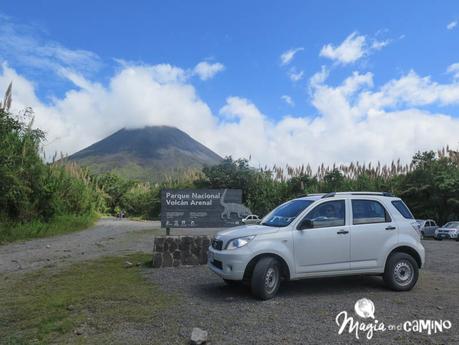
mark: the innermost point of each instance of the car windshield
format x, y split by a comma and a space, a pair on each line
452, 225
286, 213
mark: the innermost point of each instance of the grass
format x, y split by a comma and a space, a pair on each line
87, 303
58, 225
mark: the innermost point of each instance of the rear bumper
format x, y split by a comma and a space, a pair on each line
229, 264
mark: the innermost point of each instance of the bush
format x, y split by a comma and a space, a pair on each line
35, 195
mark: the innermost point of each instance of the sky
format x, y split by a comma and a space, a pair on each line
289, 82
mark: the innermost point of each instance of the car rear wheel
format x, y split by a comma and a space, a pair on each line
401, 272
265, 280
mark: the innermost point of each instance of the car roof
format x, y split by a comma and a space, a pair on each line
318, 196
312, 197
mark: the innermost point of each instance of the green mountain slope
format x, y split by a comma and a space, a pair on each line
149, 153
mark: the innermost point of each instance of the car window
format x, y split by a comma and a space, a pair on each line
427, 224
250, 217
403, 209
433, 223
328, 214
284, 214
452, 225
369, 212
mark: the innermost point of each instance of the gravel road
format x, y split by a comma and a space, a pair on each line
304, 311
108, 236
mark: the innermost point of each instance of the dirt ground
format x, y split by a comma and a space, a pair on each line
304, 311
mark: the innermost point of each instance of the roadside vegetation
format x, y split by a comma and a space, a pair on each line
33, 193
429, 184
86, 303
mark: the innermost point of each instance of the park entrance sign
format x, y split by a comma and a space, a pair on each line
202, 208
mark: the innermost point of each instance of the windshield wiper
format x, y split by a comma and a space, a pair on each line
273, 225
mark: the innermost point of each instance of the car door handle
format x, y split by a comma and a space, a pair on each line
342, 232
390, 228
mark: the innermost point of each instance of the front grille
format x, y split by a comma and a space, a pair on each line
217, 264
217, 244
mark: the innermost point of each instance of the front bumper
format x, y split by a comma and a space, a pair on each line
229, 264
447, 235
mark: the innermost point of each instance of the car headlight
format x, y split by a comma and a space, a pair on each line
239, 242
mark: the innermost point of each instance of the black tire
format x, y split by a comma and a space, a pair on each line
266, 277
401, 272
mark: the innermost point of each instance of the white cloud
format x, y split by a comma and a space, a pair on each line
19, 43
295, 75
205, 70
287, 56
353, 48
319, 78
451, 25
454, 70
350, 50
353, 120
287, 99
378, 45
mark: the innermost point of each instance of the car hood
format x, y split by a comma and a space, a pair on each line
245, 230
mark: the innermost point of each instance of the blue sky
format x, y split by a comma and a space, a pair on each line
247, 39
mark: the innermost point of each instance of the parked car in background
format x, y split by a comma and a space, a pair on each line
449, 231
251, 219
427, 227
328, 235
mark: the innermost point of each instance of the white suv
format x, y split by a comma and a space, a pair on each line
333, 234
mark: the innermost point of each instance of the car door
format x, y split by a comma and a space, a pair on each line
372, 230
426, 228
325, 246
433, 226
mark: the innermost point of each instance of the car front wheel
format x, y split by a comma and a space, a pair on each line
265, 280
401, 272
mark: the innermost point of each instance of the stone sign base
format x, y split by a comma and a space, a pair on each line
171, 251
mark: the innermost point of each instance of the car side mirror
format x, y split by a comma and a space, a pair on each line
306, 224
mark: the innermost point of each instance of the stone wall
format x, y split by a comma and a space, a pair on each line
180, 250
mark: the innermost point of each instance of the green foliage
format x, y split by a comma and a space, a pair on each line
33, 193
432, 188
21, 168
430, 185
114, 188
57, 225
